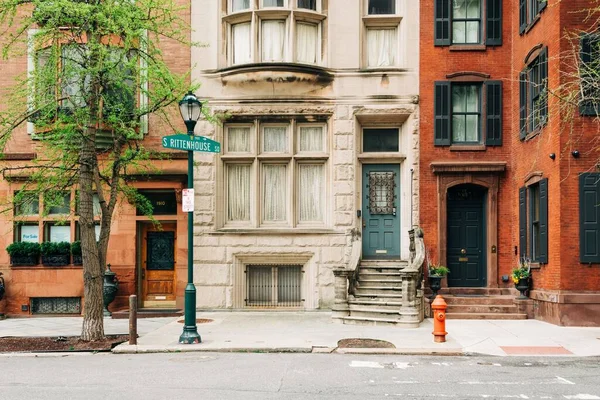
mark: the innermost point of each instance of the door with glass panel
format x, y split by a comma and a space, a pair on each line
380, 211
158, 266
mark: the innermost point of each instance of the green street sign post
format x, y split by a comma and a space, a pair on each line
190, 108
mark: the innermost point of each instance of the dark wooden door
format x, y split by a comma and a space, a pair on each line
466, 237
158, 266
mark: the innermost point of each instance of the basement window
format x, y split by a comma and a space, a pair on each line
274, 286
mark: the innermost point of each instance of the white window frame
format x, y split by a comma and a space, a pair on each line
319, 48
286, 38
230, 7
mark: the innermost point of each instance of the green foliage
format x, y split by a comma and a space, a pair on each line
522, 271
23, 249
76, 248
55, 248
438, 270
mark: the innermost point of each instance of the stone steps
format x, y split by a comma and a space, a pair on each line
485, 316
481, 303
480, 300
373, 283
352, 320
481, 308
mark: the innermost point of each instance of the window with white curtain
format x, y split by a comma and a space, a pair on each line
289, 190
273, 40
382, 46
241, 43
239, 5
273, 3
307, 36
466, 113
466, 20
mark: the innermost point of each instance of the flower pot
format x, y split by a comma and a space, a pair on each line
55, 260
111, 285
77, 259
24, 260
522, 286
435, 283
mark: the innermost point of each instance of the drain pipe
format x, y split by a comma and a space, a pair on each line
412, 172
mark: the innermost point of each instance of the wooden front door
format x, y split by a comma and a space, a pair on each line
466, 236
158, 266
381, 211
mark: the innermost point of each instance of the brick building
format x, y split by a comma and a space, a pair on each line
506, 172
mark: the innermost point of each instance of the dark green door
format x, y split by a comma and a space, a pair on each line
380, 213
466, 237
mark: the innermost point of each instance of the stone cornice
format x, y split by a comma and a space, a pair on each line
448, 167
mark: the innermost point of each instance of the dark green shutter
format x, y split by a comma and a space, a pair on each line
494, 23
588, 44
541, 4
442, 114
522, 105
493, 117
543, 63
442, 23
522, 16
589, 218
522, 222
543, 256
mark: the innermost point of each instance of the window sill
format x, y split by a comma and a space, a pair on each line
467, 147
532, 24
365, 157
276, 231
390, 20
532, 134
467, 47
308, 15
535, 265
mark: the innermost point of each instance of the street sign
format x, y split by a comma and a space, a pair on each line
191, 143
188, 200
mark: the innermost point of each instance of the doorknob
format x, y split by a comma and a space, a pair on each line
364, 223
463, 251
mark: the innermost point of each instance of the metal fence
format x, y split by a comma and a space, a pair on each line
274, 286
56, 305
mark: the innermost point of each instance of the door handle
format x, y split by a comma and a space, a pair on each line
394, 211
364, 223
463, 251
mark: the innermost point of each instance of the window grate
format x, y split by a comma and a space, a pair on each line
56, 305
274, 286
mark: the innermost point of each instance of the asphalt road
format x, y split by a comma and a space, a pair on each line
295, 376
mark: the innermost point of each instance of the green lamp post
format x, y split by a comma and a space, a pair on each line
190, 108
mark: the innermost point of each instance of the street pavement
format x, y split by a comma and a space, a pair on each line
317, 333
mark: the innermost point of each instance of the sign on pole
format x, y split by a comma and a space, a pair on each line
191, 143
187, 200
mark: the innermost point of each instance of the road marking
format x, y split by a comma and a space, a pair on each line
582, 396
401, 365
565, 380
366, 364
445, 364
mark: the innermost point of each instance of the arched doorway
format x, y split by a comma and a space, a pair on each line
466, 236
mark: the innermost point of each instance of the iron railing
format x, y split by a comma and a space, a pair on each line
274, 286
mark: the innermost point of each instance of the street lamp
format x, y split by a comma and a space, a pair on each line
190, 108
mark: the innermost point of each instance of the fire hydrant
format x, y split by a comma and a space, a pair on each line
439, 319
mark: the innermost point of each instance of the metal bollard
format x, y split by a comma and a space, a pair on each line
439, 319
132, 319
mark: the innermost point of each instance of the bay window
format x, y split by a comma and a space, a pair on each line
273, 40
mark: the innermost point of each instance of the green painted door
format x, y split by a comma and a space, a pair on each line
381, 211
466, 237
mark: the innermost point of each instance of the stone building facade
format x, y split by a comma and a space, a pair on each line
318, 104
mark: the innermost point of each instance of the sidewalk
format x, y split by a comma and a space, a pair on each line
316, 332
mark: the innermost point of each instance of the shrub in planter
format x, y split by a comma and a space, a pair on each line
76, 252
55, 254
24, 253
436, 273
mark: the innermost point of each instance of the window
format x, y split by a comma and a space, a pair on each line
589, 65
589, 217
533, 221
279, 31
274, 285
468, 22
380, 140
528, 13
382, 47
283, 184
381, 7
533, 95
27, 203
460, 117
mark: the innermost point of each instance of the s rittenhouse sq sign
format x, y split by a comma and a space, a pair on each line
191, 143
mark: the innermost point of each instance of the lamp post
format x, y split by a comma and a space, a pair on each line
190, 109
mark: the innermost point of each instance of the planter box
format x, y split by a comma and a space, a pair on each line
77, 260
24, 260
55, 260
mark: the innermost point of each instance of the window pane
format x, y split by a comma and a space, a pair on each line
472, 128
382, 7
241, 43
472, 98
272, 3
96, 205
64, 208
273, 40
459, 94
472, 34
238, 140
275, 139
311, 138
75, 80
459, 34
381, 45
306, 43
28, 203
459, 9
274, 192
238, 192
459, 127
97, 232
238, 5
311, 190
60, 233
308, 4
473, 7
380, 140
29, 233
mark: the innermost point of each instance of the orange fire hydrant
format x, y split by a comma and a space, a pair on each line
439, 319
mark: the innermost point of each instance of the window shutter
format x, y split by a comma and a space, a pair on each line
543, 256
587, 45
541, 4
589, 218
494, 23
442, 23
522, 222
442, 113
543, 63
493, 116
522, 105
522, 16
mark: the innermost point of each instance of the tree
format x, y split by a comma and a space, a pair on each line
99, 73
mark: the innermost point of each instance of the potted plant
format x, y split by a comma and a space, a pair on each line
76, 252
436, 274
521, 277
55, 254
24, 253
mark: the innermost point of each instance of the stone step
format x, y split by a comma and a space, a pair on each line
372, 283
477, 300
378, 291
485, 316
384, 263
373, 312
379, 275
481, 308
379, 270
379, 305
385, 298
367, 321
458, 291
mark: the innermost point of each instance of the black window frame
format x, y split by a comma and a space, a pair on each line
529, 13
465, 21
479, 113
490, 24
533, 96
391, 7
589, 62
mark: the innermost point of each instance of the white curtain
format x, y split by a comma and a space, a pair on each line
238, 5
311, 138
275, 139
465, 113
273, 40
311, 192
381, 45
60, 233
238, 192
274, 192
238, 140
306, 43
97, 232
241, 43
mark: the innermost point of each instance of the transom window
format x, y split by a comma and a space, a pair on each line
275, 174
381, 140
375, 7
466, 21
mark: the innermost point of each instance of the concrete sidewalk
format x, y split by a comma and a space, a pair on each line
316, 332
